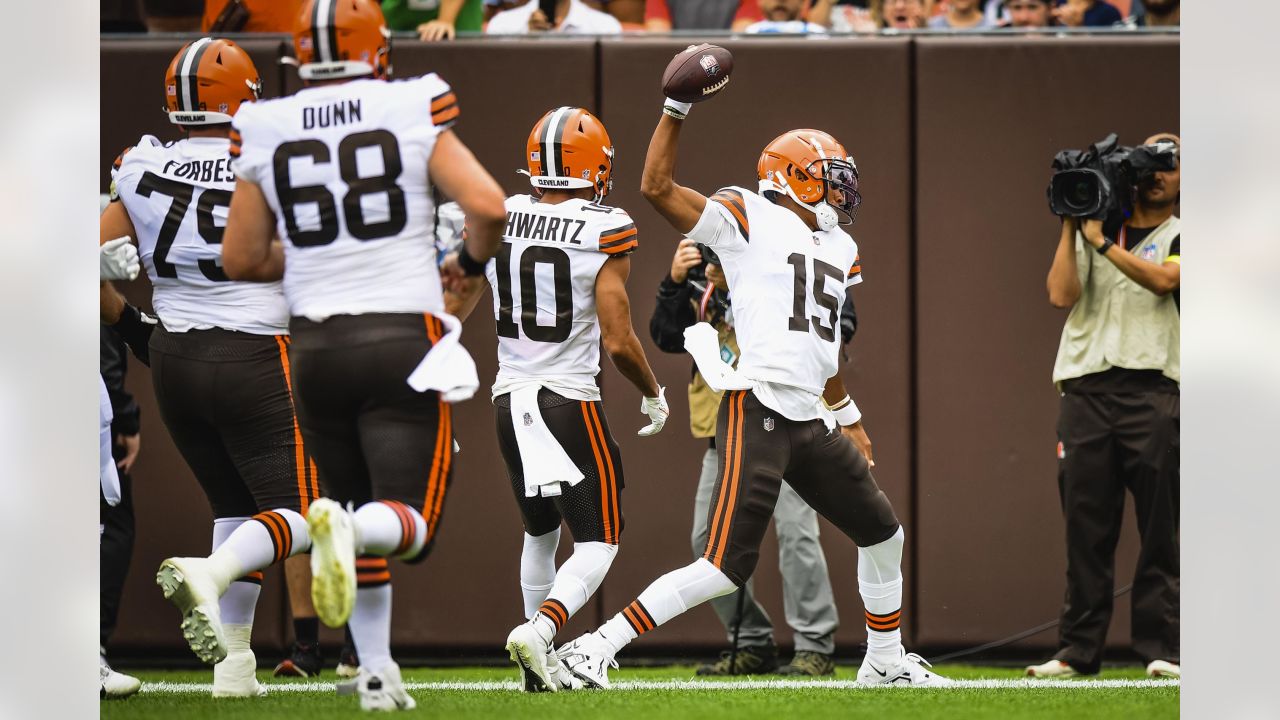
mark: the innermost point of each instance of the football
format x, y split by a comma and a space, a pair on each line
697, 73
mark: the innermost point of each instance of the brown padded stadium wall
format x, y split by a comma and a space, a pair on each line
951, 362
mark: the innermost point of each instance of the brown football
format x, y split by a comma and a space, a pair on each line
697, 73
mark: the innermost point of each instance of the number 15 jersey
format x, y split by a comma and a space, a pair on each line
344, 169
544, 292
786, 284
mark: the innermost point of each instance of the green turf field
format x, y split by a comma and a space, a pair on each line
668, 692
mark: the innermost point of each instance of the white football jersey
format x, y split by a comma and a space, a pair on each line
544, 291
177, 195
787, 284
344, 169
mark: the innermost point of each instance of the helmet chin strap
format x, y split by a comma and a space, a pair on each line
826, 215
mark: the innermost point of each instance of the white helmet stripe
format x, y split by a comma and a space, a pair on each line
322, 30
552, 162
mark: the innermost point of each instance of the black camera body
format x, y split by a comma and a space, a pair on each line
1100, 180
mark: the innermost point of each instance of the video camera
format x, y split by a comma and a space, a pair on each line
1095, 182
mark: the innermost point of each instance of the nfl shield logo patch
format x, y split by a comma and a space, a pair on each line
709, 65
769, 424
528, 420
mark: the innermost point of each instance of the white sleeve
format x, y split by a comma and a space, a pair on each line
249, 160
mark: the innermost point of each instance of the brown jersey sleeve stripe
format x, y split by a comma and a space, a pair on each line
732, 200
446, 115
115, 165
617, 235
443, 100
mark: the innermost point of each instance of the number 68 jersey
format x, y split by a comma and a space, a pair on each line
544, 291
344, 169
177, 195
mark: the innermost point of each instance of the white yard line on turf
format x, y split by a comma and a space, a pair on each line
170, 688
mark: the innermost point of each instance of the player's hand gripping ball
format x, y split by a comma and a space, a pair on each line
697, 73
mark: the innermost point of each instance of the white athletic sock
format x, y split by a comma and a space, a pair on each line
387, 527
576, 581
253, 543
665, 598
370, 626
237, 600
537, 569
880, 584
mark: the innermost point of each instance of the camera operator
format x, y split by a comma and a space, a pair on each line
694, 291
1118, 427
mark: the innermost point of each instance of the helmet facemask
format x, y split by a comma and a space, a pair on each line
841, 175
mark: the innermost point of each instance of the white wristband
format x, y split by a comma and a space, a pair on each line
676, 109
846, 412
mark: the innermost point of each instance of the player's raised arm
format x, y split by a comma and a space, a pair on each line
681, 206
694, 74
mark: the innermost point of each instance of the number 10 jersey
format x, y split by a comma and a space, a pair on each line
344, 169
544, 292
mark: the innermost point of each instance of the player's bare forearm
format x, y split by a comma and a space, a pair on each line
461, 304
114, 223
249, 249
111, 304
613, 308
680, 205
460, 176
1063, 282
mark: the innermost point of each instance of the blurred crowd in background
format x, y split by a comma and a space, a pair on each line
438, 20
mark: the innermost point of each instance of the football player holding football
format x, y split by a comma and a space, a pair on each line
784, 400
559, 290
342, 172
218, 359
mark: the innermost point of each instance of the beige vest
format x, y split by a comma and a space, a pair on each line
1117, 322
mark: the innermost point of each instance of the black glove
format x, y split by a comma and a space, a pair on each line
135, 327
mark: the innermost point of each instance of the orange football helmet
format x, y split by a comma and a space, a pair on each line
807, 165
206, 82
569, 148
342, 39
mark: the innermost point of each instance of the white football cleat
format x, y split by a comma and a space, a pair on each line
529, 652
383, 690
116, 685
188, 584
333, 561
1055, 668
910, 670
236, 676
560, 674
589, 658
1164, 669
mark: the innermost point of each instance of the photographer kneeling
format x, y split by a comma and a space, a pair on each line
1118, 427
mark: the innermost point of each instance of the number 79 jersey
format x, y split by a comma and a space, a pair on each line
344, 169
544, 291
177, 195
787, 284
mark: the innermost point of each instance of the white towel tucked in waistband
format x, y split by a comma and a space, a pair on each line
448, 367
703, 343
545, 462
